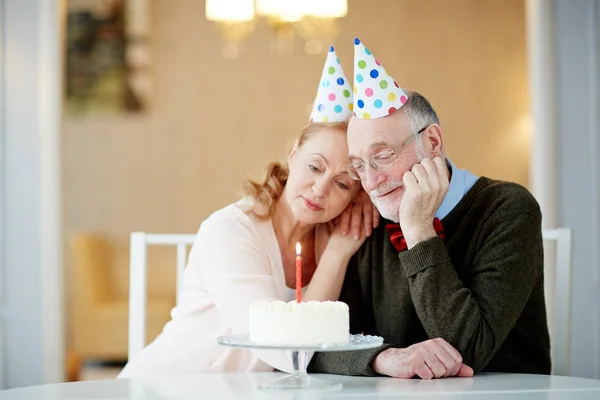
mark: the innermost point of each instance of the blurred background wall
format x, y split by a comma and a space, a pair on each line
212, 121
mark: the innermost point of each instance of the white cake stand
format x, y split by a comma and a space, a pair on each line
299, 379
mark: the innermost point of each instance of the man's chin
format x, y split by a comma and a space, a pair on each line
387, 211
391, 216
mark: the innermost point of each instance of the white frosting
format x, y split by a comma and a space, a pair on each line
308, 324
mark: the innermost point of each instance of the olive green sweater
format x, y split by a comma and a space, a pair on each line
482, 290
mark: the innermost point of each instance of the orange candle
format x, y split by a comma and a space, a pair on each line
298, 273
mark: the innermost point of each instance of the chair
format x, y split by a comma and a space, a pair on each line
98, 314
559, 297
137, 280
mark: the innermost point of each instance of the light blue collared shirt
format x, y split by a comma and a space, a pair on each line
460, 183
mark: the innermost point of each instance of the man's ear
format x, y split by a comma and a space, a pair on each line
433, 140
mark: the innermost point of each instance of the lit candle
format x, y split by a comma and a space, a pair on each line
298, 273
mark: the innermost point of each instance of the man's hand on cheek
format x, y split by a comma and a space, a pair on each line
425, 185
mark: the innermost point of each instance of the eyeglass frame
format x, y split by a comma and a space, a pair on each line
394, 152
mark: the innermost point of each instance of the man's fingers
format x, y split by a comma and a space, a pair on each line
450, 349
422, 177
433, 176
422, 370
433, 362
452, 352
465, 371
441, 167
409, 181
450, 365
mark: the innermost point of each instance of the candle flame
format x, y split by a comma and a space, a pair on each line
298, 249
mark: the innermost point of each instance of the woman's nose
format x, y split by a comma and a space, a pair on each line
320, 187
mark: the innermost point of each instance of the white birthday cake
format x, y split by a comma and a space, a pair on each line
309, 323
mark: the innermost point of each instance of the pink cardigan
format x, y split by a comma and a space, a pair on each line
235, 260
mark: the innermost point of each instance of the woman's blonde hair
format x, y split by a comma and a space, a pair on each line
262, 196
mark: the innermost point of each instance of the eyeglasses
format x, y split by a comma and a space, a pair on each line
380, 161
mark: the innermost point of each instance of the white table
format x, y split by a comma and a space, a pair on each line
231, 386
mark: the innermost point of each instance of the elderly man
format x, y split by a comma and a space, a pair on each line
457, 286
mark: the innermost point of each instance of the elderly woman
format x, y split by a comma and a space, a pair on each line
246, 251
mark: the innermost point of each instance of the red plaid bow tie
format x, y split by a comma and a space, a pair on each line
397, 237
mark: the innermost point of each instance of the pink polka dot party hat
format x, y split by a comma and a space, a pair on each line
333, 102
376, 94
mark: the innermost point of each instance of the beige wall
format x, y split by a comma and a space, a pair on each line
214, 119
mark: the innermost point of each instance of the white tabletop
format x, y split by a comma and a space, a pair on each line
230, 386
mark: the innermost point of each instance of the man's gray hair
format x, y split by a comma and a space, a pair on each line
420, 114
419, 111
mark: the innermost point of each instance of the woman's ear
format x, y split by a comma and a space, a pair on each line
293, 152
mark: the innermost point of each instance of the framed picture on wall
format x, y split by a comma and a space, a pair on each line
107, 57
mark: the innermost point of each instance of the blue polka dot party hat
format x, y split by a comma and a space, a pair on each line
376, 94
333, 102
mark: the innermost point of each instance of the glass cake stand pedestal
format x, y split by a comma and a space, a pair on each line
299, 379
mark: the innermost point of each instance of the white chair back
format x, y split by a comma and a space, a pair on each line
558, 277
137, 280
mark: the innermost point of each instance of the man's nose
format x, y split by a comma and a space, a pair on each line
372, 178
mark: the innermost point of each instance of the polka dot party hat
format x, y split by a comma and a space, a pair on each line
333, 102
376, 94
